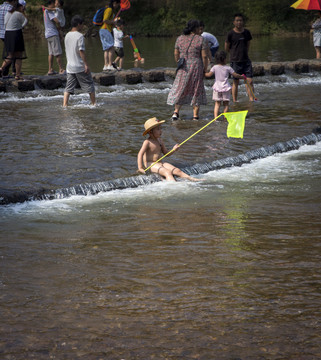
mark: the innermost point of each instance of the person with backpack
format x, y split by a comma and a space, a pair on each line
105, 33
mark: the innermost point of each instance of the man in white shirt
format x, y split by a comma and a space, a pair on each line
213, 43
77, 68
53, 37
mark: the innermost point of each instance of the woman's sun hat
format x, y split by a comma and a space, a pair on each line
151, 124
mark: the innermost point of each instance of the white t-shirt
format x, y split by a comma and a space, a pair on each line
118, 38
50, 26
74, 41
211, 39
61, 17
222, 73
15, 21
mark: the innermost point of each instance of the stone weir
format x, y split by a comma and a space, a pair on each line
138, 75
139, 180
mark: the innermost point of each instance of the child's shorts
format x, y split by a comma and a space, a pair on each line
221, 96
119, 52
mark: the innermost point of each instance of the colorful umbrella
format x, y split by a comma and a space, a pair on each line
307, 5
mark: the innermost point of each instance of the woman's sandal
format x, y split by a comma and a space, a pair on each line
195, 118
18, 77
175, 116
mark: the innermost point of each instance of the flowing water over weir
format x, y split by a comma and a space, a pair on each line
136, 181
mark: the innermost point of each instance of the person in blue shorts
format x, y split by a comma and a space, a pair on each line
237, 43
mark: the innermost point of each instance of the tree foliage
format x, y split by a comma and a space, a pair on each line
169, 17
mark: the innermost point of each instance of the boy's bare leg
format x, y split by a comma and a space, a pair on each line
178, 172
66, 98
50, 63
92, 98
235, 89
59, 62
160, 169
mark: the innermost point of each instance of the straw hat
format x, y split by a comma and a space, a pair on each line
151, 124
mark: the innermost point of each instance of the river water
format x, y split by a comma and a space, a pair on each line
228, 268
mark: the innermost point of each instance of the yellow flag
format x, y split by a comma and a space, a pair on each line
236, 123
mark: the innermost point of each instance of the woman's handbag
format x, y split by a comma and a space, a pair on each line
181, 61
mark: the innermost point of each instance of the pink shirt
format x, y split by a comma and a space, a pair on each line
222, 73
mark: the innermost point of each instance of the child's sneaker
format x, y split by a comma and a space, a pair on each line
105, 68
114, 65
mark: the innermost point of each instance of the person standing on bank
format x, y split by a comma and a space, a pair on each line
316, 27
238, 44
213, 43
53, 36
15, 20
4, 8
77, 68
106, 34
188, 86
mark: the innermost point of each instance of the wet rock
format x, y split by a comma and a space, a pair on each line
105, 79
315, 64
50, 82
131, 76
258, 70
274, 68
154, 75
299, 66
3, 87
170, 72
24, 85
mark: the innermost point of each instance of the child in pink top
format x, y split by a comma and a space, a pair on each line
222, 87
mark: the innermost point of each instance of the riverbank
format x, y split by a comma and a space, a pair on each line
138, 75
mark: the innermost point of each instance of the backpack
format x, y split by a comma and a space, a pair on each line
98, 17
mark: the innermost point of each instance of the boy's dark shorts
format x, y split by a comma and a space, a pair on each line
244, 67
119, 52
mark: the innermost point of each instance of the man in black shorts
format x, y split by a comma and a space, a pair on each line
237, 43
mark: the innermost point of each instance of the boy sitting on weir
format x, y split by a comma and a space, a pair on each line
152, 150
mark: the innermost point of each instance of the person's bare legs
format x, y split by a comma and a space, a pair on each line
50, 63
18, 67
175, 115
318, 52
173, 170
106, 58
121, 60
92, 98
110, 52
226, 105
196, 110
59, 62
216, 108
235, 89
66, 98
249, 82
